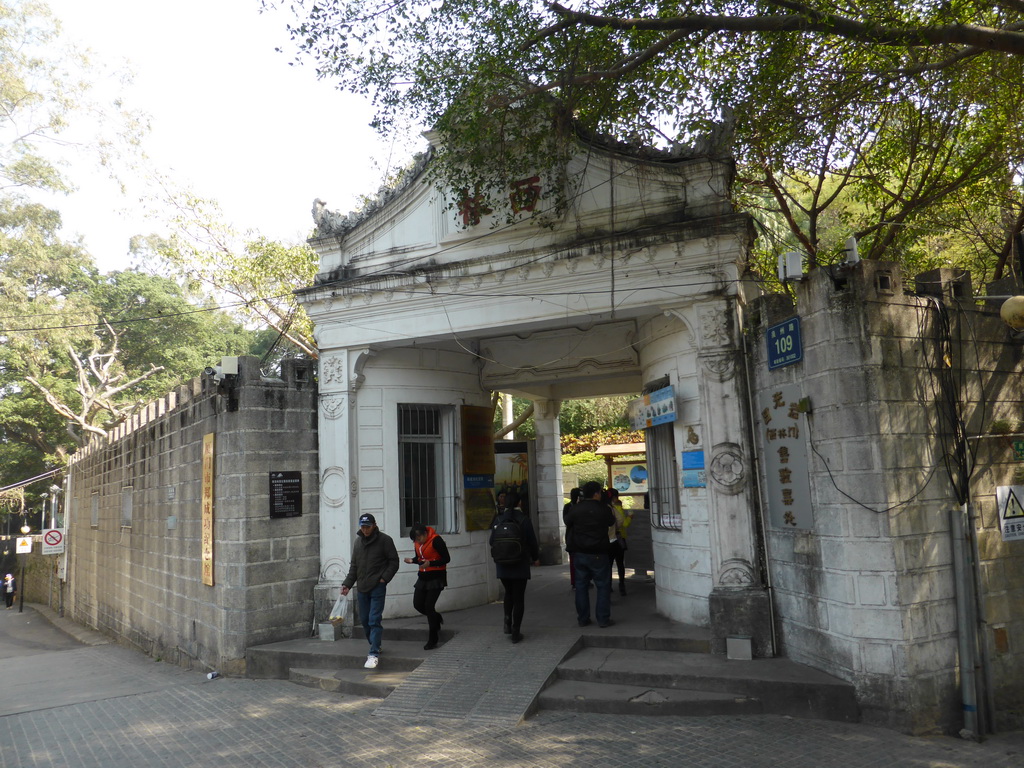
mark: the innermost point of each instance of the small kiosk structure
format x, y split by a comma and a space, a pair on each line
627, 473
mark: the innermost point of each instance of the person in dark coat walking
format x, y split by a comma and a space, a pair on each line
586, 536
513, 576
374, 564
432, 557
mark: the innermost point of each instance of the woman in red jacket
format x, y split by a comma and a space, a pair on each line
432, 557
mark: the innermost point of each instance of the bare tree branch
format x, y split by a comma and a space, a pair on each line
523, 418
805, 19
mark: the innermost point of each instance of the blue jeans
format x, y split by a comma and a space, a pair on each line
598, 569
371, 608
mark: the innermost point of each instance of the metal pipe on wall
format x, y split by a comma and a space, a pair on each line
964, 622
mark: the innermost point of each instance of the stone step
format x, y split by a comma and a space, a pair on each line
399, 632
678, 638
370, 683
620, 699
783, 686
274, 660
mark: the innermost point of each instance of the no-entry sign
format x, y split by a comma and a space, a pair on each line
53, 541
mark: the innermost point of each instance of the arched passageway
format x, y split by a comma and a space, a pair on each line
635, 288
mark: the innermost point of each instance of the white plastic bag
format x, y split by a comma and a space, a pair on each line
338, 611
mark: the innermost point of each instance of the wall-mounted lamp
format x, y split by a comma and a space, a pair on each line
1012, 312
225, 376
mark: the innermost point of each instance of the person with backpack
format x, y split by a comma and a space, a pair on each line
513, 547
432, 557
586, 536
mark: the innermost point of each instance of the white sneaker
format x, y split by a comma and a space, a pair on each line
371, 662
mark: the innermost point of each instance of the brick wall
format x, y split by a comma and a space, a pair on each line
866, 591
140, 580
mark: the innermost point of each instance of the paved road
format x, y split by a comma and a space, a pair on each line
68, 704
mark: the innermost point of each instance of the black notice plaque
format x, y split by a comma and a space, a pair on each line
285, 494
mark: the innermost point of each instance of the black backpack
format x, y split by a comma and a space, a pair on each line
507, 545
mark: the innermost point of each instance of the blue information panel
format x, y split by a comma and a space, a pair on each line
784, 345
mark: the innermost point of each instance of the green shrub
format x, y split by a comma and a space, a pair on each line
573, 444
579, 458
590, 470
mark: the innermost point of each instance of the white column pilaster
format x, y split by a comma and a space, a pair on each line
549, 481
339, 499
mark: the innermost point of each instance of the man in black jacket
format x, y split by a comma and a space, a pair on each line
374, 564
586, 536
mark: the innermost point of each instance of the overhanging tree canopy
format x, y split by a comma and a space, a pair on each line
868, 118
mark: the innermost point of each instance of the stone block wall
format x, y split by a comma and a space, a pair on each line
867, 591
134, 521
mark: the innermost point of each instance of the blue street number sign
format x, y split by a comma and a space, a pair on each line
784, 347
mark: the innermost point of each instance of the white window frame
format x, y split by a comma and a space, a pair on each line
438, 510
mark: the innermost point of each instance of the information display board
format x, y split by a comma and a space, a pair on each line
286, 494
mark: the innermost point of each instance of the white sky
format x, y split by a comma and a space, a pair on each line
230, 118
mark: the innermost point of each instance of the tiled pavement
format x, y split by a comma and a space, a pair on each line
257, 723
107, 707
478, 677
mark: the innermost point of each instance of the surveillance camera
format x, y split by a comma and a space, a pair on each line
209, 371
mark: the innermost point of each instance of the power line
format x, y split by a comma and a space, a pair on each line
32, 480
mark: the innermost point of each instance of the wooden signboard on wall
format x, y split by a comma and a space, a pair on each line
207, 529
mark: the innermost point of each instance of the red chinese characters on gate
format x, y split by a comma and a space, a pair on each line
523, 196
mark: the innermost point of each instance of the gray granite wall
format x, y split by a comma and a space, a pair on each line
140, 580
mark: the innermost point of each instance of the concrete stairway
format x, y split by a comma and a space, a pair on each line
626, 675
338, 666
644, 664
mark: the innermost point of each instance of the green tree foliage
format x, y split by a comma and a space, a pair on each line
578, 417
35, 99
585, 424
889, 122
253, 277
48, 108
591, 441
81, 351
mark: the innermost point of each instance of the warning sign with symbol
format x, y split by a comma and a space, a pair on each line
1010, 499
53, 541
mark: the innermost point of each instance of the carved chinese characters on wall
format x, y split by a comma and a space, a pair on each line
783, 427
523, 196
206, 544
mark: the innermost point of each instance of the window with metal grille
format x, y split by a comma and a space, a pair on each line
662, 485
426, 462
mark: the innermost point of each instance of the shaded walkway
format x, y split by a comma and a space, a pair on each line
480, 676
